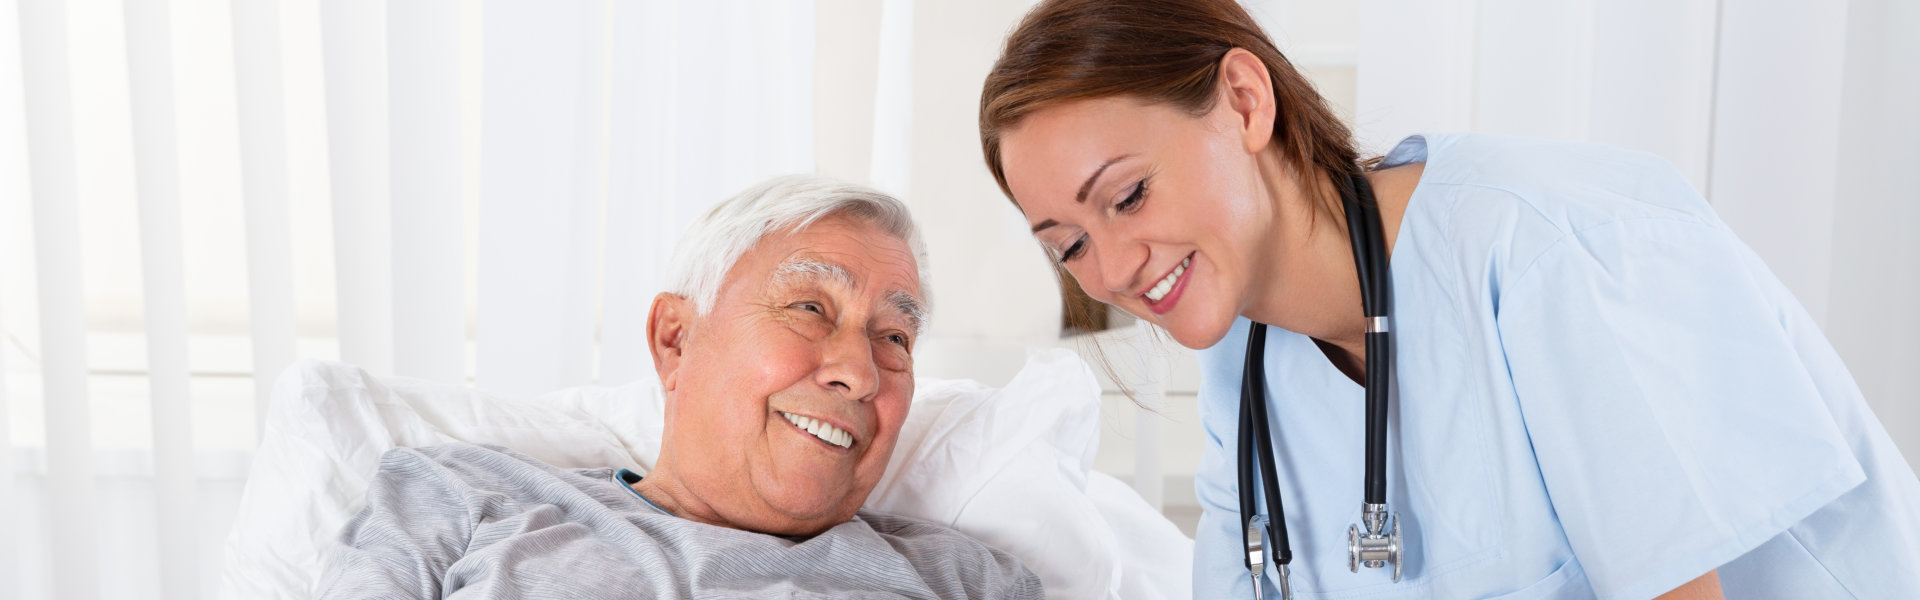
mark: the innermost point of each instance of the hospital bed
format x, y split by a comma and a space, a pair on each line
1011, 466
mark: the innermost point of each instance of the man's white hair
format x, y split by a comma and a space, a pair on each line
790, 203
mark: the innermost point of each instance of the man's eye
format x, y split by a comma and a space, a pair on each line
813, 307
898, 339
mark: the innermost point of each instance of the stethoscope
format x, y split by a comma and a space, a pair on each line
1378, 545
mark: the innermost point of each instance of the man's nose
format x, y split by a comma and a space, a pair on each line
847, 366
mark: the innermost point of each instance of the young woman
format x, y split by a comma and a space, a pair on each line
1592, 388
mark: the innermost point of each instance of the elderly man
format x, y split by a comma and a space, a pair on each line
785, 354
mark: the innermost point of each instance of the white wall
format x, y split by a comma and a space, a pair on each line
1874, 284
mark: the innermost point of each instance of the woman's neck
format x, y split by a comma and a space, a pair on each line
1323, 300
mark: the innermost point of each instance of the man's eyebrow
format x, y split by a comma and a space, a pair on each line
1085, 188
799, 269
805, 268
907, 304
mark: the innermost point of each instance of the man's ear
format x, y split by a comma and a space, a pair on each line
667, 325
1247, 89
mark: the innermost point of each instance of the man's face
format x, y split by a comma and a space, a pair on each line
814, 326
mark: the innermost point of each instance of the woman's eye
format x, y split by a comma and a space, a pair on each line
1132, 201
1073, 251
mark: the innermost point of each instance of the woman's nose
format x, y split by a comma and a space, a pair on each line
1120, 265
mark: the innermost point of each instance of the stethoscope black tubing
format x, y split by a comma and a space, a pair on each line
1254, 432
1369, 253
1370, 260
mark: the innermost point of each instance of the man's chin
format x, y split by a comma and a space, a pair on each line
806, 520
807, 508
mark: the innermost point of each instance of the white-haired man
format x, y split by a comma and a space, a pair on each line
784, 350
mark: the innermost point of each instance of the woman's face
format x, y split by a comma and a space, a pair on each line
1154, 210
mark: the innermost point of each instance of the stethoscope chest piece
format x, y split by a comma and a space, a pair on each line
1379, 546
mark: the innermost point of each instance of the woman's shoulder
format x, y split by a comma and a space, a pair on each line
1565, 186
1492, 203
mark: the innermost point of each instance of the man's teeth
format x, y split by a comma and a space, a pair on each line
1166, 285
821, 429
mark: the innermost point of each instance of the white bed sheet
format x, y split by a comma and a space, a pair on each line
1009, 466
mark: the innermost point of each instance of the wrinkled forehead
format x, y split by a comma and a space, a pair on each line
838, 254
806, 269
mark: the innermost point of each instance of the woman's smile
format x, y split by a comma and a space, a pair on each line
1163, 295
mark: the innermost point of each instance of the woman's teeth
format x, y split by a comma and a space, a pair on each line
1166, 285
820, 429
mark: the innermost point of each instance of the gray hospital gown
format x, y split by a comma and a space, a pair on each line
467, 521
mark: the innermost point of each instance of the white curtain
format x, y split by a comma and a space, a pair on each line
1795, 117
195, 192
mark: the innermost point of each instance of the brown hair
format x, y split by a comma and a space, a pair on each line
1161, 51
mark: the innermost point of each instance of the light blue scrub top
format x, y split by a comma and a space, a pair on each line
1601, 393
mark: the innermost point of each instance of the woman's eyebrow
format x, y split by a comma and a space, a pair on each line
1085, 188
1081, 197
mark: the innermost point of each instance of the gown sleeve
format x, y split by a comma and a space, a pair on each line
415, 526
1674, 423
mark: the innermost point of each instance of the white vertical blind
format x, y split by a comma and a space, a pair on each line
689, 128
9, 572
540, 193
353, 36
892, 145
13, 188
745, 112
641, 179
1776, 136
780, 68
263, 181
164, 293
846, 65
62, 299
429, 289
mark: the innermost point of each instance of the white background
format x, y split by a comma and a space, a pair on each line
486, 189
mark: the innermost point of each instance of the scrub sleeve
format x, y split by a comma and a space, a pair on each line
1674, 423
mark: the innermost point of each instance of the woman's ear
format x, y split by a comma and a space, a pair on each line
667, 325
1247, 91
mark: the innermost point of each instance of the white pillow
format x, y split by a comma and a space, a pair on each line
1009, 467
